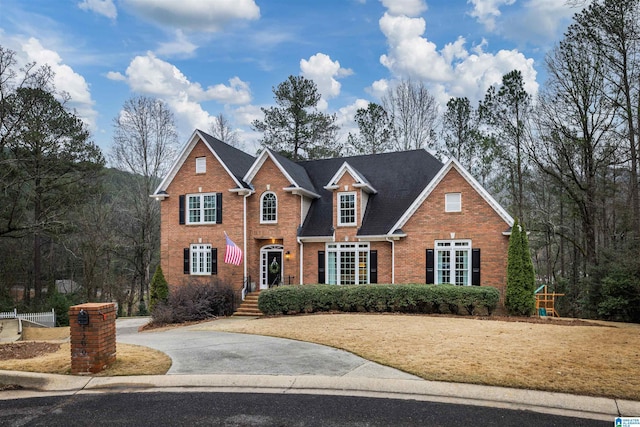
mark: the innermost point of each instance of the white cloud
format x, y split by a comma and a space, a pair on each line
114, 75
323, 71
181, 46
101, 7
486, 11
481, 69
378, 88
451, 71
154, 77
541, 21
65, 80
405, 7
195, 15
410, 54
345, 117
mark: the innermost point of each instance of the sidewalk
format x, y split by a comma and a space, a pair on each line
235, 363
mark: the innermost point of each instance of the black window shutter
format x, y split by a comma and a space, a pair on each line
181, 209
321, 277
373, 266
214, 260
430, 259
218, 208
475, 267
187, 254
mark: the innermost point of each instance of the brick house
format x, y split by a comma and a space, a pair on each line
400, 217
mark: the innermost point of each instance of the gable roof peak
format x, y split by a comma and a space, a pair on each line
361, 180
234, 161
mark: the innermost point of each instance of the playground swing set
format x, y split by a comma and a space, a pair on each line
546, 302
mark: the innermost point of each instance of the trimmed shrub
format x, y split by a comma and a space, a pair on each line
195, 301
411, 298
158, 289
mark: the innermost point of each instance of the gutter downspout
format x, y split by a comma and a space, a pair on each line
244, 237
301, 252
393, 259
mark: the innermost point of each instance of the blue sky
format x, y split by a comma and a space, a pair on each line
205, 57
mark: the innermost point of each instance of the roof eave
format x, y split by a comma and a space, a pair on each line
302, 192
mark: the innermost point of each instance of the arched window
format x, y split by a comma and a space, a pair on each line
269, 208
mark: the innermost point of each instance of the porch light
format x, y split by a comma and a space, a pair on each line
287, 255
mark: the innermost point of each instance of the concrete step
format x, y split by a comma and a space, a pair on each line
249, 307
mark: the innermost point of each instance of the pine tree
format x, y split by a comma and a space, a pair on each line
159, 289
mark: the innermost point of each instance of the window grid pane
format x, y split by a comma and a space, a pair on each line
341, 263
209, 204
348, 268
347, 209
332, 268
363, 268
194, 208
462, 267
444, 269
201, 260
269, 208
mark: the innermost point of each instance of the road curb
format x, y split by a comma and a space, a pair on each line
599, 408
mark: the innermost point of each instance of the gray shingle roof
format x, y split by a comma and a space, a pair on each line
236, 160
296, 171
398, 177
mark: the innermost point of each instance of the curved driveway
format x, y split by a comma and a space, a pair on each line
197, 351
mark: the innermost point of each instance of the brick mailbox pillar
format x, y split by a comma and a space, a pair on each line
93, 337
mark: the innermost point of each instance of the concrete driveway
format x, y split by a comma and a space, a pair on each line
194, 350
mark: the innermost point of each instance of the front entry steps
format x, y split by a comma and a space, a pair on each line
249, 307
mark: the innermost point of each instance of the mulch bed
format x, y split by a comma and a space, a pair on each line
26, 349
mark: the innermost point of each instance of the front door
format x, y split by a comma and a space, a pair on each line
271, 266
274, 269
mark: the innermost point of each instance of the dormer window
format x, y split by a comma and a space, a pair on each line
201, 164
269, 208
347, 209
453, 202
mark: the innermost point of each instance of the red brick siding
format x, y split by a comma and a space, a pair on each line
477, 221
284, 232
176, 237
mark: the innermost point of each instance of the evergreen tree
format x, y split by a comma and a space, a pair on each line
159, 289
374, 131
520, 298
295, 128
528, 273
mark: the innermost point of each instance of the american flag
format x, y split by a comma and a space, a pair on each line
233, 254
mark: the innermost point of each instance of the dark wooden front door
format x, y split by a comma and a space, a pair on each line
274, 268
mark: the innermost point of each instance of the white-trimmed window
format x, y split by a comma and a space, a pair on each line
201, 259
347, 208
201, 208
453, 262
201, 164
453, 202
347, 263
268, 208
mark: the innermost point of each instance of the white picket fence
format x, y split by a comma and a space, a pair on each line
48, 318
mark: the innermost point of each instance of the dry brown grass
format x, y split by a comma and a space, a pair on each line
590, 360
130, 360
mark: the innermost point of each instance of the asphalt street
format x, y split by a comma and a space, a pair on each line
252, 409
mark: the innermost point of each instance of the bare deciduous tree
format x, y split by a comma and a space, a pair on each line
144, 144
222, 129
414, 115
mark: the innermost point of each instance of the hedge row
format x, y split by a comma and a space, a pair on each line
412, 298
